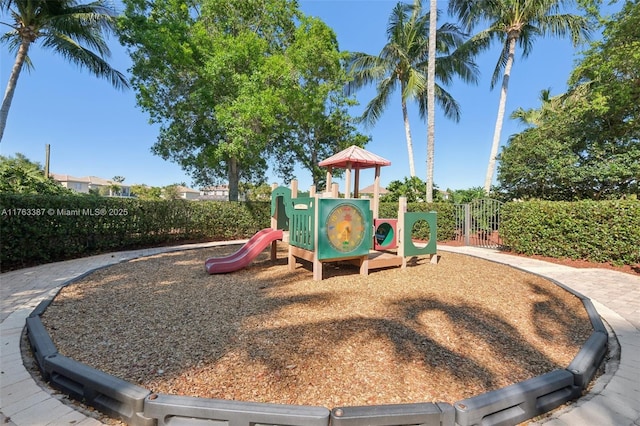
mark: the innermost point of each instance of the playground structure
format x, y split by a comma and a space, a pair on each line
325, 228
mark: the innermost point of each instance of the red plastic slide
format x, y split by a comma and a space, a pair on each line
243, 257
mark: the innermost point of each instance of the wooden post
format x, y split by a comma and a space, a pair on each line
356, 186
328, 187
376, 193
274, 225
335, 190
317, 269
291, 259
317, 265
274, 219
402, 208
347, 190
364, 265
294, 188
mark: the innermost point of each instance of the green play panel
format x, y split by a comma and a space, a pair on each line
344, 228
410, 219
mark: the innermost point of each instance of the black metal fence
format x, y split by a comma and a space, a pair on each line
478, 223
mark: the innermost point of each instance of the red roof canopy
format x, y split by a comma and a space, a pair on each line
358, 157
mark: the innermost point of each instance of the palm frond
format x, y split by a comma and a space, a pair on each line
457, 65
478, 43
393, 52
5, 5
91, 41
85, 58
449, 105
561, 25
415, 84
12, 40
500, 65
449, 37
86, 24
376, 106
445, 100
398, 19
364, 69
527, 37
471, 12
70, 29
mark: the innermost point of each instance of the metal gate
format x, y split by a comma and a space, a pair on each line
478, 222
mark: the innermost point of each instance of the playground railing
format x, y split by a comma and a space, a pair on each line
301, 224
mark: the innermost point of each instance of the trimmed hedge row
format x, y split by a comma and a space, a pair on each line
598, 231
43, 228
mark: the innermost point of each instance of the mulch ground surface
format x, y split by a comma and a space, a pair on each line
428, 333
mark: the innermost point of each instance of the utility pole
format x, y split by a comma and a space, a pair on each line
47, 150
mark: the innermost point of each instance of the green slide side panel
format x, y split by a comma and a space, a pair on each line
344, 228
410, 218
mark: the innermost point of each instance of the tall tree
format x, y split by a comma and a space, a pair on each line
403, 62
514, 23
396, 64
213, 75
235, 83
74, 31
586, 143
319, 124
431, 97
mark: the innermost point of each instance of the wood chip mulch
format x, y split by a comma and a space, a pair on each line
428, 333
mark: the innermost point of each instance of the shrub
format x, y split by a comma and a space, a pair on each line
45, 228
598, 231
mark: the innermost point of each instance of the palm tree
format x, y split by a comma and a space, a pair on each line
533, 117
75, 31
396, 63
548, 105
404, 60
431, 98
514, 22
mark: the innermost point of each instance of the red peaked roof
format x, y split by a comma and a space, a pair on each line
358, 157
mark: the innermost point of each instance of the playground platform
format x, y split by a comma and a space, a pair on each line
375, 260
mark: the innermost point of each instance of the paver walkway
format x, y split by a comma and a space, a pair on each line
613, 401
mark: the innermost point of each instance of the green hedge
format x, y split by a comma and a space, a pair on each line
43, 228
598, 231
37, 229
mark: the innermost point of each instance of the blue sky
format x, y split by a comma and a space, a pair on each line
96, 130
